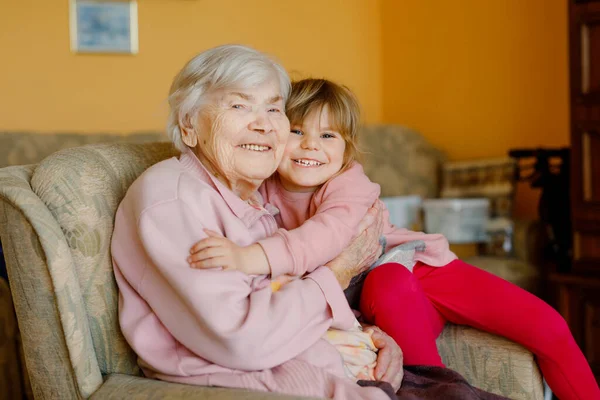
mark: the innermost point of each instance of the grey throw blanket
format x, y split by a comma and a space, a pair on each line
403, 254
424, 383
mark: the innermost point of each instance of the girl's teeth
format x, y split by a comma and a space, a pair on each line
308, 163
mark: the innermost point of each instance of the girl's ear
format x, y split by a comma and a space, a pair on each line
188, 132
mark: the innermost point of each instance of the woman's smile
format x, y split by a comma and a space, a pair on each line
261, 148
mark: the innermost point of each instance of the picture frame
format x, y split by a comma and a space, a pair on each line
103, 26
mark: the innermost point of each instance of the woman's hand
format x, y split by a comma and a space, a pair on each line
389, 358
362, 252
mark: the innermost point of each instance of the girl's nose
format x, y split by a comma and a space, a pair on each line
310, 143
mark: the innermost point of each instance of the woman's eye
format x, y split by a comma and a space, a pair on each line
274, 110
296, 131
238, 106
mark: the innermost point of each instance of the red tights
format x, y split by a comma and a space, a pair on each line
413, 308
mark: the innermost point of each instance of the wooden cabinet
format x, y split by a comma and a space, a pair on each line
584, 55
579, 289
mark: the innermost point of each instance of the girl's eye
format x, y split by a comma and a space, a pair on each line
296, 131
328, 136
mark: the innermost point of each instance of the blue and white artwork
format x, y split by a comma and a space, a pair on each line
105, 26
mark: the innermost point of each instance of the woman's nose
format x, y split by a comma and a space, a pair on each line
261, 123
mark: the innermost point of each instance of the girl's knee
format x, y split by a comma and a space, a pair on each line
392, 297
552, 329
558, 330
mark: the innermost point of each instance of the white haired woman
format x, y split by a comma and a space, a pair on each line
217, 327
221, 327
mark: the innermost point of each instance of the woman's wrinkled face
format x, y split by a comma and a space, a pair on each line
250, 130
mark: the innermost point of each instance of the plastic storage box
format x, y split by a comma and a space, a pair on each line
460, 220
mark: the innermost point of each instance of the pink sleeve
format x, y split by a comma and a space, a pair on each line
341, 204
217, 314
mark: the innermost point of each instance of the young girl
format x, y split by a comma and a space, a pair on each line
322, 193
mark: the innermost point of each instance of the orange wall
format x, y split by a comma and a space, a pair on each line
44, 87
475, 77
478, 77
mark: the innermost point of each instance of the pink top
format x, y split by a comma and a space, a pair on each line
316, 227
215, 327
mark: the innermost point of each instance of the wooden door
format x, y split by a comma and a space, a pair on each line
584, 27
580, 291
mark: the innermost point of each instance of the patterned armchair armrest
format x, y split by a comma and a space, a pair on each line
131, 387
490, 362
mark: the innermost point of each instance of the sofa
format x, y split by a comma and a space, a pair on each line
56, 219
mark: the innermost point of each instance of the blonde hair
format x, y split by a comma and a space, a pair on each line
221, 67
310, 95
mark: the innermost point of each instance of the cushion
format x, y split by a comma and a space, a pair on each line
412, 168
131, 387
20, 148
82, 188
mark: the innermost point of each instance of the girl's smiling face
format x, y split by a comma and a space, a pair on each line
313, 154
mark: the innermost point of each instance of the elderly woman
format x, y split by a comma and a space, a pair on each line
217, 327
221, 327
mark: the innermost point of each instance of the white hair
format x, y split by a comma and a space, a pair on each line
218, 68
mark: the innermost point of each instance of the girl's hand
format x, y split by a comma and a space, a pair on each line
389, 358
216, 251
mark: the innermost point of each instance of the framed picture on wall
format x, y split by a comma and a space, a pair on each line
103, 26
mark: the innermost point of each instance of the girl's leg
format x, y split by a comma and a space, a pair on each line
392, 299
467, 295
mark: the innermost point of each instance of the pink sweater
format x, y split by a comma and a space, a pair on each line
317, 227
215, 327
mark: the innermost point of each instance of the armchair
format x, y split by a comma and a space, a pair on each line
56, 221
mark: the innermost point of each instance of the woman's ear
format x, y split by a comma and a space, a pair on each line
188, 132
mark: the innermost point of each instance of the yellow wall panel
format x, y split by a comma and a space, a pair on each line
44, 87
478, 78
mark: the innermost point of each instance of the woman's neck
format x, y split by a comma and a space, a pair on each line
243, 188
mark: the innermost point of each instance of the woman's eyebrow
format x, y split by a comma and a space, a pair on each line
244, 96
275, 99
249, 97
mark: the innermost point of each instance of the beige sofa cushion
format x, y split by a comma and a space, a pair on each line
21, 148
82, 188
401, 160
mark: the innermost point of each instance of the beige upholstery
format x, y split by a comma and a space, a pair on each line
55, 226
